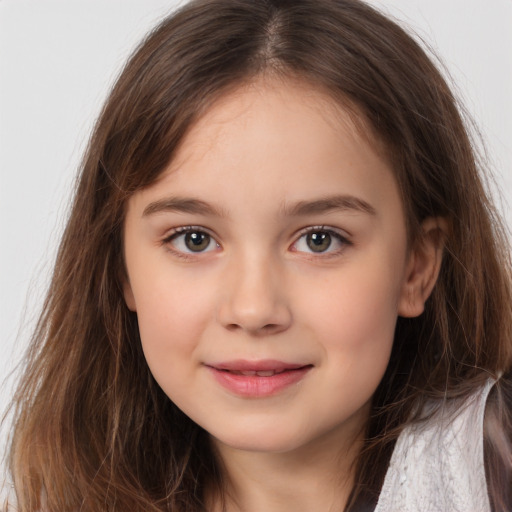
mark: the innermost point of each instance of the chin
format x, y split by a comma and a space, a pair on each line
262, 440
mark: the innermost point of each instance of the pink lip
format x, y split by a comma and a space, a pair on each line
255, 386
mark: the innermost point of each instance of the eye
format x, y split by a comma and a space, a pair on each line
191, 240
320, 241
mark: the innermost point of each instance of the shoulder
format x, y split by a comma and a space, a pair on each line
438, 463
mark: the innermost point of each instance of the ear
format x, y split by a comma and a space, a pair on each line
129, 298
423, 266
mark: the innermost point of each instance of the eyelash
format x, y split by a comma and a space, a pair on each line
334, 234
184, 230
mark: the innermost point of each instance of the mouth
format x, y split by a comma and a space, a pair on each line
258, 379
252, 373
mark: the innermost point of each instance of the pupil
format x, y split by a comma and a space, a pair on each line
197, 242
319, 242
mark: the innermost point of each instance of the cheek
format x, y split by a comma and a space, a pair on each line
354, 304
172, 313
353, 316
356, 333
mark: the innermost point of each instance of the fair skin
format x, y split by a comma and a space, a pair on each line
275, 242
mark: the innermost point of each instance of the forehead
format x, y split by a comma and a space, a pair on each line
281, 141
297, 100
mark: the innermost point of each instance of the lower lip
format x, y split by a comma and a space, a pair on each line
254, 386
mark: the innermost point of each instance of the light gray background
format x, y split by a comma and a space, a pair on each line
57, 61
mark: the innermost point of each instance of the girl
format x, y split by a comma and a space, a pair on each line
281, 286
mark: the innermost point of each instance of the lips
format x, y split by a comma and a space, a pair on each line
258, 378
243, 365
262, 373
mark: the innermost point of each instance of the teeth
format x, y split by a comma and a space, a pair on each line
267, 373
252, 373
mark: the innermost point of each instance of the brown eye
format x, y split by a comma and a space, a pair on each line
319, 241
189, 240
197, 241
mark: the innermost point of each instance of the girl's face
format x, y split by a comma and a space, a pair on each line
267, 267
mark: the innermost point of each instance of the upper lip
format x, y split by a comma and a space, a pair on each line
256, 366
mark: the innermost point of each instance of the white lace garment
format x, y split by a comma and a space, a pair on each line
438, 466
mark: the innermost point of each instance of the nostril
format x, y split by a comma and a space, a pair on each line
270, 327
262, 330
267, 327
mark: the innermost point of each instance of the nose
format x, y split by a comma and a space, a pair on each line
254, 297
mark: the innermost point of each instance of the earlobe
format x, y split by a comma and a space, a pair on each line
423, 267
129, 298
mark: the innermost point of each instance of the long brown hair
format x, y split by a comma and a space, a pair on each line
93, 430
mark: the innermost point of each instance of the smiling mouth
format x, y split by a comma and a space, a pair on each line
250, 380
253, 373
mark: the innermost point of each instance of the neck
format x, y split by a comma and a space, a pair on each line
315, 477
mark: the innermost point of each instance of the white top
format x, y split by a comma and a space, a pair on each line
438, 466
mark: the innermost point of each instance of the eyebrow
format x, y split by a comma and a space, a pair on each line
330, 203
301, 208
182, 205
